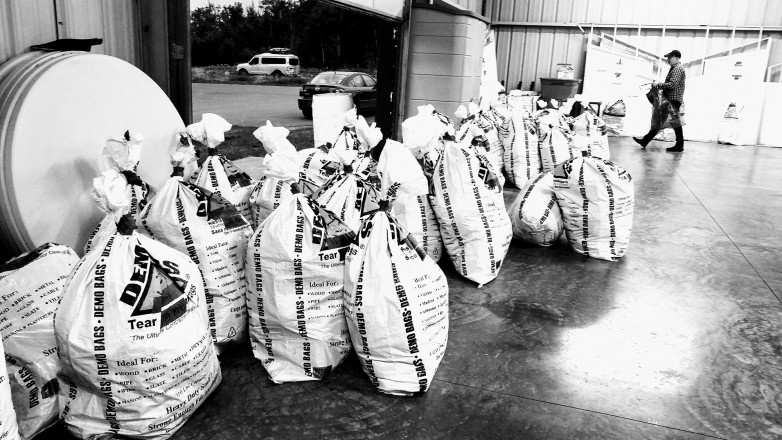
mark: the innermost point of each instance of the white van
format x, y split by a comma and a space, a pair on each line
270, 64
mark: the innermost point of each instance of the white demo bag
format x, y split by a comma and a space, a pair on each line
295, 266
30, 291
122, 155
8, 428
132, 334
396, 297
269, 191
348, 193
596, 197
591, 135
535, 215
555, 148
469, 204
218, 174
522, 158
209, 230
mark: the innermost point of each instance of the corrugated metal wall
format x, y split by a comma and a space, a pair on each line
471, 5
671, 12
27, 22
527, 53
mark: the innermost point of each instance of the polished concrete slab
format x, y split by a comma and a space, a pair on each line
681, 339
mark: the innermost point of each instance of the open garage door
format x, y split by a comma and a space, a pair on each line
388, 9
390, 42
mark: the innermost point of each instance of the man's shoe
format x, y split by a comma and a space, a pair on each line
640, 142
675, 149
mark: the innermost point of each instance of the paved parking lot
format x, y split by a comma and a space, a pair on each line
251, 105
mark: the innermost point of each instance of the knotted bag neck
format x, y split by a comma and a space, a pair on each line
132, 178
126, 225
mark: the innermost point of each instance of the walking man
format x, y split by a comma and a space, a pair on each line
673, 90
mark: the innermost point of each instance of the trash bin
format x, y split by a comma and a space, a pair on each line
558, 88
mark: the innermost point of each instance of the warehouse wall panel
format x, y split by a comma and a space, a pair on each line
27, 22
113, 21
687, 12
24, 23
475, 6
530, 52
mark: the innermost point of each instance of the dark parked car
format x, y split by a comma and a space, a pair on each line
360, 86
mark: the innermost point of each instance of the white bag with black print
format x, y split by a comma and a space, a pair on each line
415, 213
596, 197
546, 118
30, 290
468, 201
480, 126
122, 154
295, 264
132, 334
316, 165
421, 133
396, 297
591, 135
491, 123
535, 215
8, 428
269, 191
522, 158
209, 230
349, 193
556, 147
218, 174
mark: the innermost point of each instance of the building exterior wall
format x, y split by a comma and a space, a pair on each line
444, 60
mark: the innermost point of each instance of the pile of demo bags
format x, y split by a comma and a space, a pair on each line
335, 247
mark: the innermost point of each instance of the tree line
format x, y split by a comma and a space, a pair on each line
321, 35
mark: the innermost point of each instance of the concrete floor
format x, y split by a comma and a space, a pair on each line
681, 339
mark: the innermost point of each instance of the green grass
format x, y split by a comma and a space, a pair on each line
225, 74
240, 143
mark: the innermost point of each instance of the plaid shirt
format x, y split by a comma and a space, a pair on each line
673, 87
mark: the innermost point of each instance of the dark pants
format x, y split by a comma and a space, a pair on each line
678, 131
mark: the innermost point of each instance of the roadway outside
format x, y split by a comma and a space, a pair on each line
252, 105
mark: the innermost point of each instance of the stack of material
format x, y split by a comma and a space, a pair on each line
613, 116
